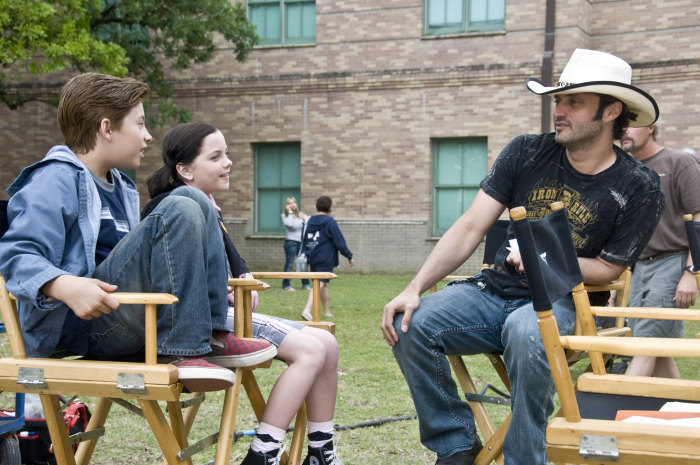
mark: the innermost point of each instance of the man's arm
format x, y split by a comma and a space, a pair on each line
453, 249
687, 286
594, 270
598, 271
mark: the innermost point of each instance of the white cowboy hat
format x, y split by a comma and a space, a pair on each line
602, 73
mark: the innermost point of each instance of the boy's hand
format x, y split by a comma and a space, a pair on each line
87, 297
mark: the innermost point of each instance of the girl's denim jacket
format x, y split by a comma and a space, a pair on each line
54, 214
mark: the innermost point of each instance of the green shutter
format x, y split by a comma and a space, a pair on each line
300, 21
444, 16
267, 19
459, 165
277, 176
487, 15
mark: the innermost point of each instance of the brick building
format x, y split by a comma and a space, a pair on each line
394, 108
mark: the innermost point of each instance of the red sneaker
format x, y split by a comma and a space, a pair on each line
198, 375
232, 352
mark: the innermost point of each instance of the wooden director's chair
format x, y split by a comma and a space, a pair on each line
588, 434
243, 327
478, 399
147, 383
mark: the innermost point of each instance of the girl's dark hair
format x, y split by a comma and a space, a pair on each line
180, 145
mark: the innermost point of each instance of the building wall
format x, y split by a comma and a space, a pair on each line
366, 99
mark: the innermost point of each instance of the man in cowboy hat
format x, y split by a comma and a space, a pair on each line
613, 203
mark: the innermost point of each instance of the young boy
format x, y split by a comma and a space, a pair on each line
74, 236
321, 243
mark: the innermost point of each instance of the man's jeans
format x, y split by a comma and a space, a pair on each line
176, 249
466, 318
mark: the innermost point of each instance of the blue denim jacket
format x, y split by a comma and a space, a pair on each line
54, 213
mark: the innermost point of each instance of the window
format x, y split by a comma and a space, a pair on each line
459, 165
455, 16
283, 21
277, 176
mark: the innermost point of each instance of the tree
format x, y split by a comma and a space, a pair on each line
135, 37
40, 38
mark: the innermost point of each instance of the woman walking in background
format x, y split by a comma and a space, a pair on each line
293, 221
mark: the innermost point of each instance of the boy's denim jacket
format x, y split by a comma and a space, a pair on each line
54, 214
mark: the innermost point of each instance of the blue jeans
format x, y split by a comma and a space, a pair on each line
466, 318
176, 249
291, 249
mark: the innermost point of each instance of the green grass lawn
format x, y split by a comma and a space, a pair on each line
370, 385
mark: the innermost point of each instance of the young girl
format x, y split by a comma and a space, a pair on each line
294, 221
196, 154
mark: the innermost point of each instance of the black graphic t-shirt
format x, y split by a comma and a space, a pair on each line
612, 214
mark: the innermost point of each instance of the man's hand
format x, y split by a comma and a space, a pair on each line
406, 302
516, 261
352, 262
685, 291
87, 297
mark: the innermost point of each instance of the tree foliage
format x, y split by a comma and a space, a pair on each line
42, 37
141, 38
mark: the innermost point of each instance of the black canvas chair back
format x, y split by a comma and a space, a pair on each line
495, 236
692, 229
4, 225
549, 257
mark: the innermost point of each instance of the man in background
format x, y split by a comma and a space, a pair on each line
662, 275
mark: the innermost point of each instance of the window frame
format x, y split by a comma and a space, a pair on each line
466, 26
435, 143
284, 191
283, 40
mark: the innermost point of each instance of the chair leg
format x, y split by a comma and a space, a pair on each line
180, 431
466, 382
228, 421
258, 403
295, 450
97, 420
493, 449
56, 425
162, 431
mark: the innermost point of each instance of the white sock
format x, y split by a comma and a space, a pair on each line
267, 438
320, 433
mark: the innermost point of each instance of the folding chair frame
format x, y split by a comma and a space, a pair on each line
572, 439
113, 382
243, 327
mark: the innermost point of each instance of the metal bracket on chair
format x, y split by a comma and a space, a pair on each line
77, 438
31, 378
504, 398
594, 447
196, 400
132, 383
198, 447
128, 405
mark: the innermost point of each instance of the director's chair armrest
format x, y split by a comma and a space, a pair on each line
314, 276
150, 302
243, 304
647, 312
631, 346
